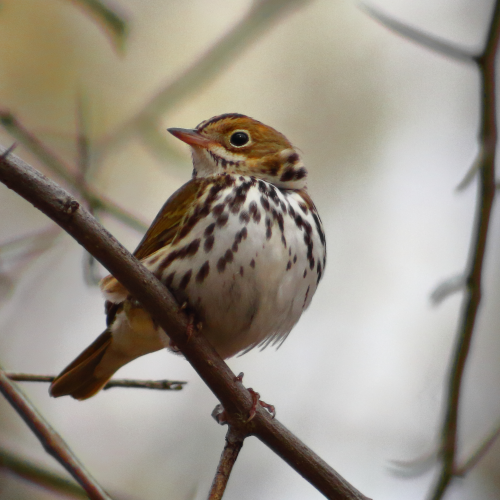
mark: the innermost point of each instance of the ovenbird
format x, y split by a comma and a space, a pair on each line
241, 243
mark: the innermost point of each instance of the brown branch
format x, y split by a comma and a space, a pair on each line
159, 385
474, 273
234, 443
39, 475
484, 166
50, 439
157, 300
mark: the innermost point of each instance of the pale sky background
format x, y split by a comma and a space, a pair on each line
387, 130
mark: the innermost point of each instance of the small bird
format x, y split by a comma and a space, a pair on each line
241, 245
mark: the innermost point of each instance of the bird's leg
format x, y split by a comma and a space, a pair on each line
255, 401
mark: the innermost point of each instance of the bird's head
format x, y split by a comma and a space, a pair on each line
237, 144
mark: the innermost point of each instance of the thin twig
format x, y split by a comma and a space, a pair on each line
432, 42
234, 443
472, 297
262, 15
484, 167
471, 174
30, 239
159, 385
39, 475
65, 172
447, 288
57, 204
49, 438
479, 453
113, 23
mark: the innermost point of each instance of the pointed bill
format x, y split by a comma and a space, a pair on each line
191, 137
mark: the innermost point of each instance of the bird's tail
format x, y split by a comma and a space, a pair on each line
81, 379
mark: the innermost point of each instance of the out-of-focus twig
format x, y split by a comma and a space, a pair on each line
16, 253
448, 287
474, 271
49, 438
159, 385
427, 40
113, 23
45, 236
471, 174
484, 167
59, 205
39, 475
481, 451
66, 172
262, 15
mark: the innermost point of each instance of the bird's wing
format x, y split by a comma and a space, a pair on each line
169, 220
168, 224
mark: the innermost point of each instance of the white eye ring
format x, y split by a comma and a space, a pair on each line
240, 138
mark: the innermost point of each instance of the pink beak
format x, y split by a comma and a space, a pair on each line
191, 137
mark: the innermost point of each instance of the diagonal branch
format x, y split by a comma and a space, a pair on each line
481, 451
157, 300
422, 38
262, 15
64, 171
50, 439
39, 475
113, 23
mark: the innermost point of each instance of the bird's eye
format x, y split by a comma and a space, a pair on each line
239, 139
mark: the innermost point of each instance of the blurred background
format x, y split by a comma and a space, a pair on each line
387, 130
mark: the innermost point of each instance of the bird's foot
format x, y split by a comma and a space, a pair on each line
256, 401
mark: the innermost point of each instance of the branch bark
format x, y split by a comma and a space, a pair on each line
52, 442
156, 299
474, 273
234, 443
484, 167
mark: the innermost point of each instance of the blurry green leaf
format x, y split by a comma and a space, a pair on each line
112, 23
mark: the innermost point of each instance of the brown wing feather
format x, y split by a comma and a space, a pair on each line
162, 232
168, 221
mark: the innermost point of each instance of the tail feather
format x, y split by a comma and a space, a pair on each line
79, 378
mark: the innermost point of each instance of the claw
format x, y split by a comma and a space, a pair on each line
190, 327
255, 401
270, 408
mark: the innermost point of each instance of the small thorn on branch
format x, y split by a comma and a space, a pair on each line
472, 172
448, 287
8, 151
414, 468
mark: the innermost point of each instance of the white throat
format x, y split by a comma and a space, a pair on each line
215, 160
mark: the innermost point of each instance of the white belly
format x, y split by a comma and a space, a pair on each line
255, 270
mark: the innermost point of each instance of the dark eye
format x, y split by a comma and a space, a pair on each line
239, 139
